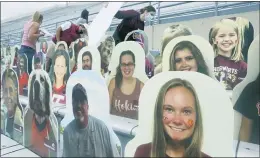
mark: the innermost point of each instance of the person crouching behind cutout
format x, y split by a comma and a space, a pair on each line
178, 128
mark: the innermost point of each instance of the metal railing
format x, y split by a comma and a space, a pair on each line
163, 16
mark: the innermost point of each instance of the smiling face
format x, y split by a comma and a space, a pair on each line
127, 66
184, 61
179, 114
10, 96
226, 39
60, 67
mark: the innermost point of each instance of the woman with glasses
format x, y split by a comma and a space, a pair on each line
124, 89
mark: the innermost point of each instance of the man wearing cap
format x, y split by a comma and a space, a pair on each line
85, 136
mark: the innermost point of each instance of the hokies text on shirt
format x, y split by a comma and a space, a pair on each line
225, 68
125, 106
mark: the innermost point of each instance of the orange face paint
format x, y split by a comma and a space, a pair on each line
190, 123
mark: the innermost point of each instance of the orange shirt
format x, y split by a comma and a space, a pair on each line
37, 139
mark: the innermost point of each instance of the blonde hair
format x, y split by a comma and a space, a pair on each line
243, 24
172, 32
237, 51
37, 17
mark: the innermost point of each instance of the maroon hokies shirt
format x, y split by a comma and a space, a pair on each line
229, 72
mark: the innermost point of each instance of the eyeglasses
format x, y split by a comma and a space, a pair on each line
127, 65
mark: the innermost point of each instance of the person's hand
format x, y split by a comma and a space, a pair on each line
42, 34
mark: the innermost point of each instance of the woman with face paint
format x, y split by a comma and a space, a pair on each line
132, 20
187, 57
124, 89
178, 129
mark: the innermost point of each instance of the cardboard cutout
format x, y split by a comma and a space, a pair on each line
59, 75
16, 52
61, 45
140, 37
94, 85
138, 51
11, 109
93, 56
252, 72
22, 74
38, 61
229, 67
105, 49
201, 45
212, 104
77, 46
43, 46
246, 33
41, 125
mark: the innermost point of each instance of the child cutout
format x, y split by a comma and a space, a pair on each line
89, 59
189, 53
22, 73
178, 116
41, 125
229, 67
12, 117
87, 128
59, 75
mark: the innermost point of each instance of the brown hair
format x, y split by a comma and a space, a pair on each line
159, 142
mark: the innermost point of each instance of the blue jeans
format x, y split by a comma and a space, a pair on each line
29, 52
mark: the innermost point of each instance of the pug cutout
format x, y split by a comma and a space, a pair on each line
252, 72
89, 59
197, 47
77, 46
59, 74
22, 74
141, 37
98, 112
41, 125
38, 61
105, 49
215, 107
11, 109
139, 54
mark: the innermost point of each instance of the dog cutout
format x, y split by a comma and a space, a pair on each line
41, 125
11, 109
94, 85
22, 74
105, 49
